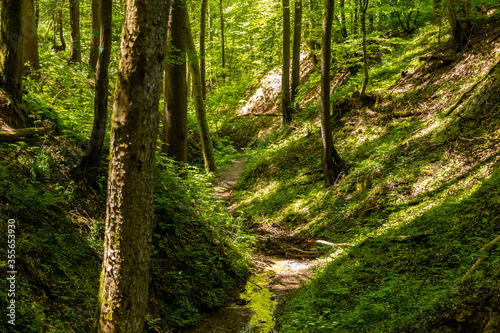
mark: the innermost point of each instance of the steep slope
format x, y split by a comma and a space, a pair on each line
419, 200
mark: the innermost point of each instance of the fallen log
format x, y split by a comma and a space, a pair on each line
333, 244
18, 134
487, 249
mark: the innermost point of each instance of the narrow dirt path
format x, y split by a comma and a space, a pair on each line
254, 305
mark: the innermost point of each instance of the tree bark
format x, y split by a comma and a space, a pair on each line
285, 73
175, 128
297, 33
343, 28
11, 48
203, 24
92, 159
30, 38
331, 162
58, 28
75, 54
222, 41
201, 115
365, 55
123, 293
94, 33
460, 25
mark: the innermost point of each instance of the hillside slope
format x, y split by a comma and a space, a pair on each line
419, 199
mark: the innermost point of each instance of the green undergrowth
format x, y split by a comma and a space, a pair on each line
419, 197
200, 250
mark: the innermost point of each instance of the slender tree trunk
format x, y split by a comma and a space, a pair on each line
11, 48
94, 33
285, 76
343, 28
297, 33
123, 293
331, 161
58, 28
201, 115
175, 128
30, 38
92, 159
222, 41
365, 55
436, 10
460, 25
204, 6
355, 26
75, 54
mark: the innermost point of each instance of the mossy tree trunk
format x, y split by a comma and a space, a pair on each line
11, 48
285, 74
30, 38
365, 55
94, 33
201, 115
92, 158
175, 128
460, 21
123, 294
203, 29
297, 33
331, 162
75, 54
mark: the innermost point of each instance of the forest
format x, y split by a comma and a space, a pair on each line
250, 166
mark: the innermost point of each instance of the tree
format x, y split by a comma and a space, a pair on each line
222, 39
58, 27
94, 33
11, 48
297, 32
285, 74
343, 28
123, 293
201, 115
364, 7
460, 21
331, 161
175, 128
92, 159
30, 38
75, 54
203, 70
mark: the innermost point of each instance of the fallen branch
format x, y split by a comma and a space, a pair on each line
18, 134
305, 252
261, 114
405, 238
487, 248
333, 244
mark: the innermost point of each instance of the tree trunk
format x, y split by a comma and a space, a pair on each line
19, 134
94, 33
203, 70
285, 74
460, 25
331, 162
222, 41
365, 55
436, 10
30, 38
175, 128
297, 33
58, 28
199, 103
92, 159
343, 28
123, 293
11, 49
75, 54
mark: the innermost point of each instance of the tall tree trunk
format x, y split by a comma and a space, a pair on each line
123, 293
199, 103
331, 161
75, 53
92, 159
222, 40
175, 128
355, 25
58, 28
460, 24
30, 38
365, 55
11, 48
285, 76
203, 70
297, 33
94, 33
343, 28
436, 10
